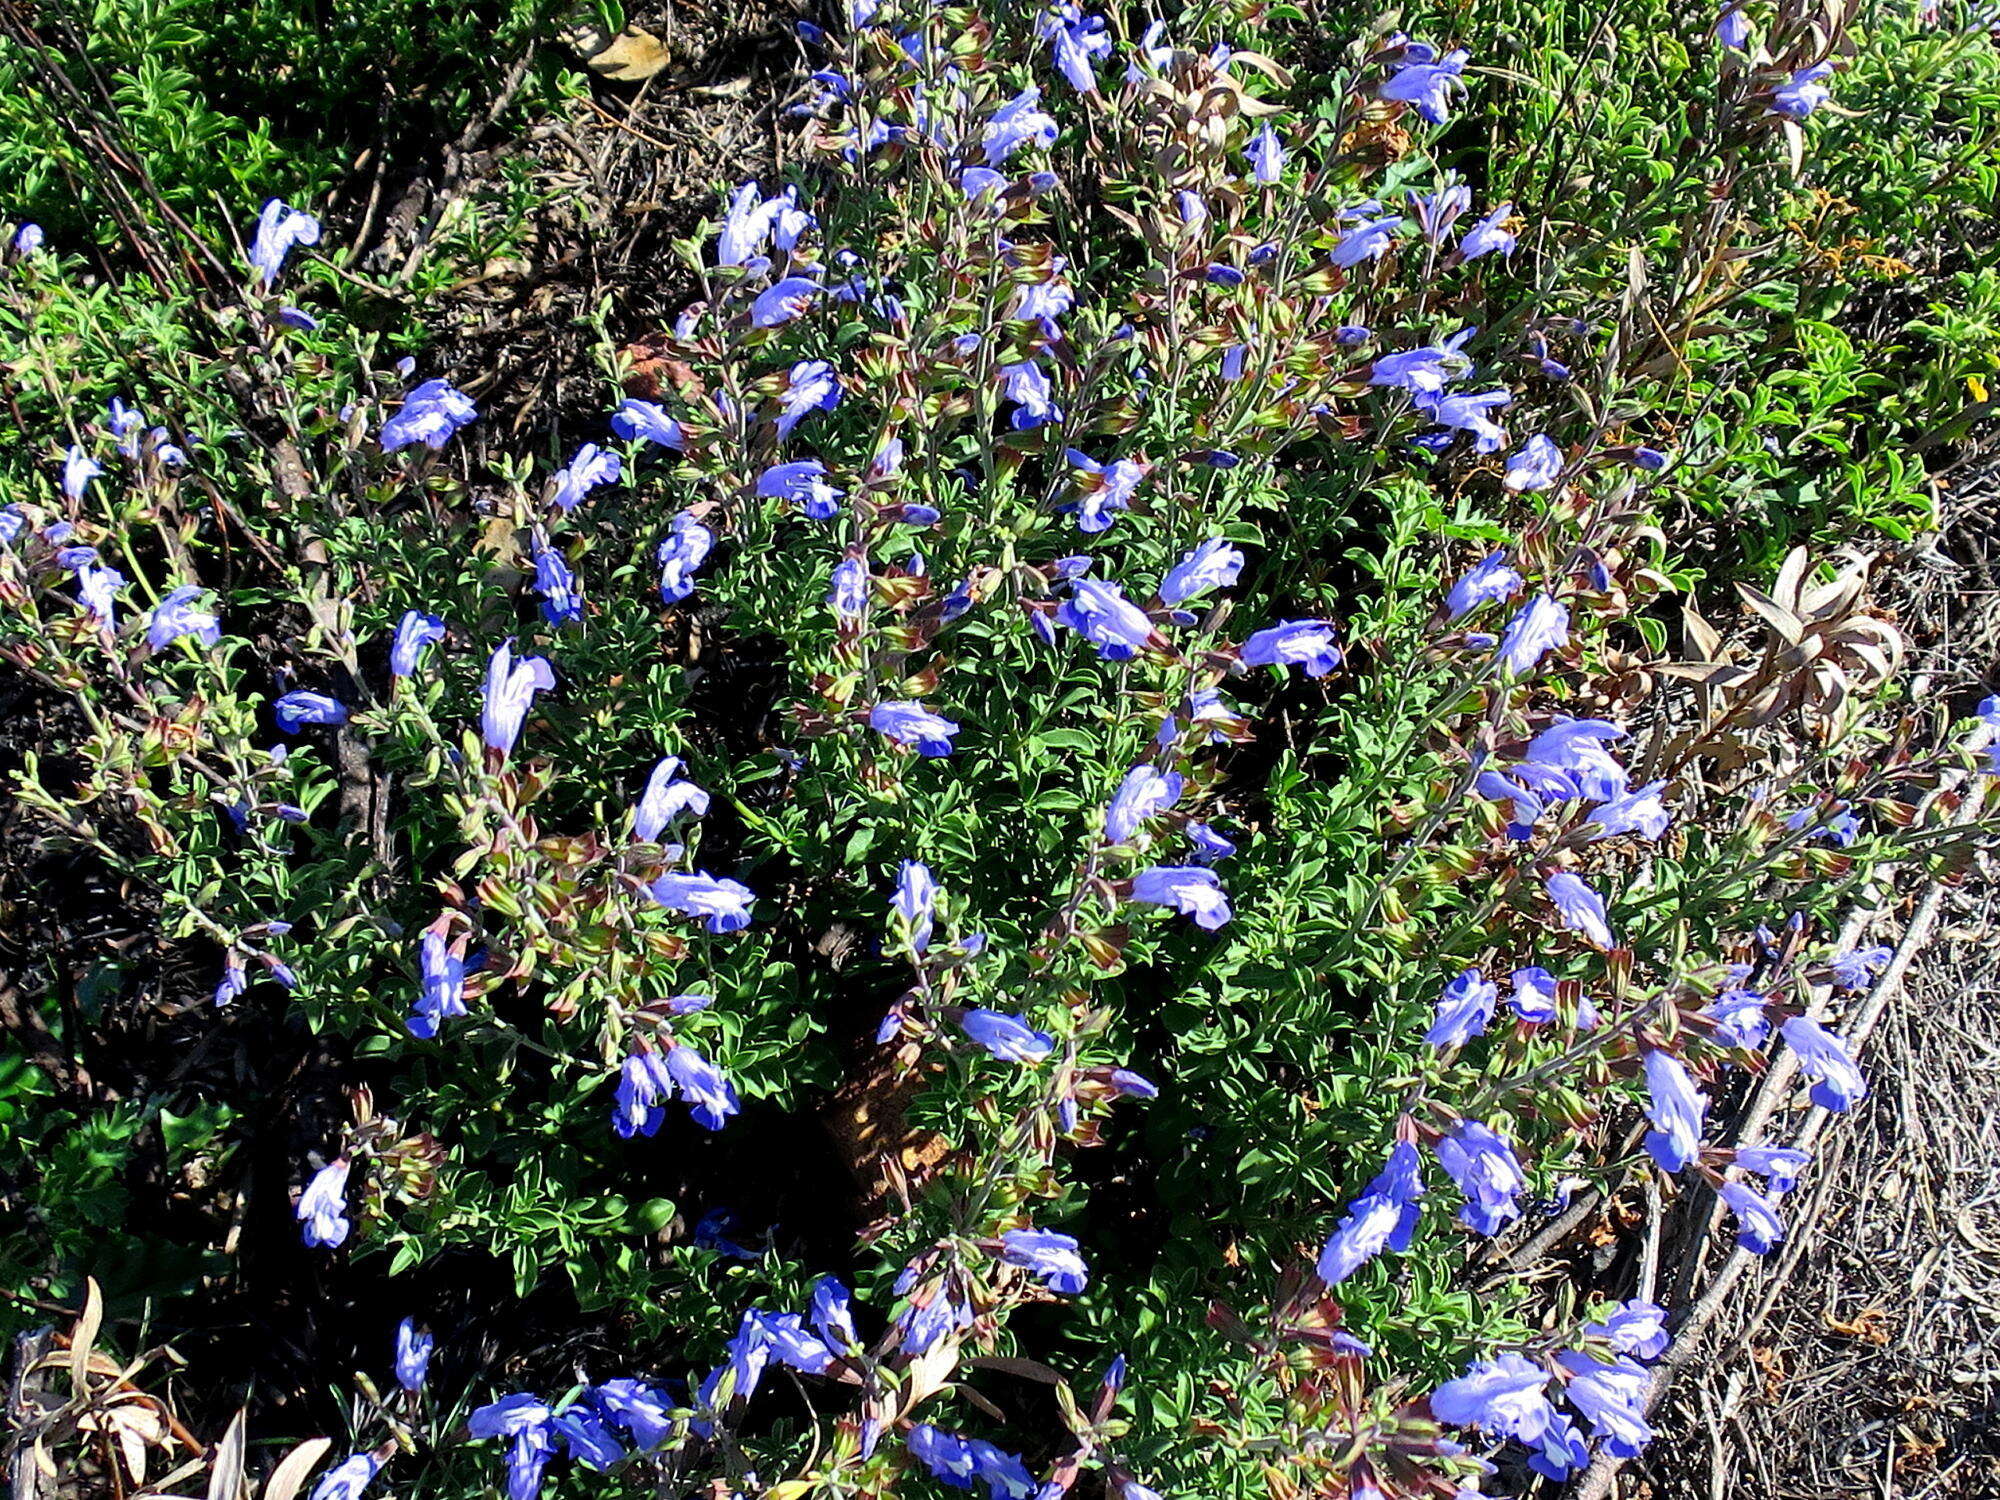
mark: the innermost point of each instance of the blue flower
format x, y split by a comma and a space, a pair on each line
1581, 909
323, 1205
1383, 1218
639, 1101
1209, 845
508, 693
1739, 1018
1733, 30
681, 554
413, 1355
347, 1479
1487, 1172
1506, 1396
642, 1411
414, 633
945, 1454
1307, 644
1541, 626
1560, 1450
724, 903
1758, 1227
1638, 811
1027, 385
1051, 1257
592, 468
1534, 997
1578, 747
1803, 93
295, 709
1017, 123
1490, 234
1468, 413
562, 598
1426, 85
175, 616
443, 993
97, 590
279, 227
1464, 1010
587, 1437
810, 385
710, 1096
1778, 1165
649, 420
79, 468
235, 979
299, 318
1676, 1108
1212, 565
1537, 466
745, 227
28, 239
1490, 581
1267, 156
1189, 889
430, 415
803, 482
1636, 1327
1612, 1398
1105, 488
1077, 42
665, 799
911, 724
1437, 212
1368, 240
1825, 1058
1141, 796
1006, 1037
783, 300
1424, 371
833, 1314
915, 903
1856, 969
527, 1423
852, 585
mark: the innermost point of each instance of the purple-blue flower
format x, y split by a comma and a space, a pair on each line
562, 597
649, 420
430, 415
1534, 997
279, 227
1212, 565
1825, 1058
176, 616
1026, 384
443, 992
323, 1205
508, 693
1537, 466
1541, 626
1487, 1172
782, 301
79, 468
1102, 615
1493, 579
1424, 371
1778, 1165
1856, 968
810, 385
1463, 1011
1426, 85
1505, 1396
1489, 235
1581, 909
1267, 156
1804, 92
297, 708
1636, 1327
414, 633
1191, 890
665, 799
526, 1422
849, 591
1144, 794
348, 1478
913, 726
1368, 240
1104, 488
1383, 1218
1638, 811
1052, 1258
1009, 1038
1611, 1397
803, 482
592, 468
710, 1096
681, 553
1733, 29
1306, 644
915, 903
1468, 413
413, 1355
639, 1102
1676, 1108
724, 904
1017, 123
1758, 1227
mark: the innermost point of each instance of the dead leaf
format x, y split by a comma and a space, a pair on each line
632, 56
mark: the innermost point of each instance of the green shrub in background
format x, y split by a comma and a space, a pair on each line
1166, 343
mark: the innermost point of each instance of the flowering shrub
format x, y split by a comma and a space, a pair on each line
1127, 621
